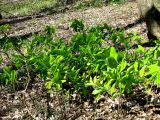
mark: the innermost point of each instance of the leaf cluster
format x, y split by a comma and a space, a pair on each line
89, 64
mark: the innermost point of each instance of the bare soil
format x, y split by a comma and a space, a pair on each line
115, 15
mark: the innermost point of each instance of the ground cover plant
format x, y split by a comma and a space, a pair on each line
98, 60
26, 96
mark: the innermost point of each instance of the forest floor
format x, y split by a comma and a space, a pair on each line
116, 15
37, 104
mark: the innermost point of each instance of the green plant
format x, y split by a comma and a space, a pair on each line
86, 65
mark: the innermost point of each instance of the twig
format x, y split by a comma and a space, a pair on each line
28, 74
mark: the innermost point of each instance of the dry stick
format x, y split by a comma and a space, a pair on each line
28, 74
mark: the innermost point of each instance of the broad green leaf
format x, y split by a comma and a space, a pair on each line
96, 91
121, 56
135, 65
140, 48
77, 25
95, 79
153, 69
90, 84
123, 65
101, 82
49, 84
113, 53
90, 80
155, 54
98, 97
1, 59
56, 78
122, 87
63, 81
50, 30
157, 80
58, 86
107, 85
112, 62
51, 60
100, 55
141, 72
60, 58
96, 68
13, 76
113, 88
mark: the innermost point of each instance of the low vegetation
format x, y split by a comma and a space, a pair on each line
97, 60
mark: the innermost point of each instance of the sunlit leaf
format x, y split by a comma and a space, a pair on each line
112, 90
113, 53
49, 85
135, 65
96, 91
123, 65
141, 72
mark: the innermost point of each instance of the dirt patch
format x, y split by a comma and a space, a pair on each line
115, 15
